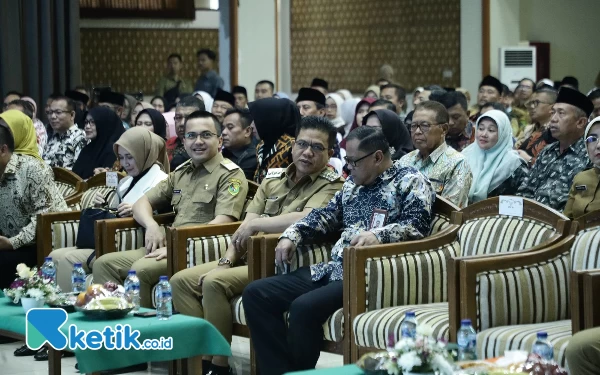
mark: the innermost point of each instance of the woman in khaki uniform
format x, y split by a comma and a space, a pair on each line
584, 196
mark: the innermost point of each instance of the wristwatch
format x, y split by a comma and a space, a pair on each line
224, 261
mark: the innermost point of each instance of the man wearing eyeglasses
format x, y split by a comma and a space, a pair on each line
445, 167
536, 136
67, 140
175, 149
382, 202
285, 196
207, 189
550, 178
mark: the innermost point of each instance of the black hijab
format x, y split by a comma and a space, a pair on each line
80, 116
158, 121
273, 118
394, 130
99, 152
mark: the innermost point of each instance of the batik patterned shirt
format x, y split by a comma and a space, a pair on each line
447, 170
550, 179
62, 150
403, 193
460, 142
27, 189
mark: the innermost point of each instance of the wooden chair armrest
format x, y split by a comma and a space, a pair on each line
268, 244
254, 257
591, 302
177, 244
44, 231
72, 199
111, 226
469, 268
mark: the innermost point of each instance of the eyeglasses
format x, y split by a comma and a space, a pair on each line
147, 123
204, 135
591, 139
534, 103
57, 112
303, 145
89, 122
423, 126
354, 162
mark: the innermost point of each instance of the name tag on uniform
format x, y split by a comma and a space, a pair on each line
581, 188
176, 191
275, 172
112, 179
378, 218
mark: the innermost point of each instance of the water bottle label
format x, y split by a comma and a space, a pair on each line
165, 294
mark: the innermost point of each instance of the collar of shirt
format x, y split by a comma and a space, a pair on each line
577, 147
237, 153
291, 170
435, 155
66, 134
11, 166
213, 163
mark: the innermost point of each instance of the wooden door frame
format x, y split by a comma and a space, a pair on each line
233, 42
485, 36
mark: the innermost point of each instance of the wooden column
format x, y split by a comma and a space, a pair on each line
485, 36
233, 42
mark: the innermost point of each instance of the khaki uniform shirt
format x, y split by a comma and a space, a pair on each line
584, 195
278, 194
199, 194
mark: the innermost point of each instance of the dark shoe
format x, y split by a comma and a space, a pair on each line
218, 370
24, 351
42, 355
123, 370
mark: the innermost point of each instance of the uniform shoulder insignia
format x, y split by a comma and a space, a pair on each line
185, 164
329, 175
229, 164
274, 173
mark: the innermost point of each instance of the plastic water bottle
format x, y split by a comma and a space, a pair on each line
132, 288
408, 328
164, 301
49, 270
467, 341
78, 278
542, 347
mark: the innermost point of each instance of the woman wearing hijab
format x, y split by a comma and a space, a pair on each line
362, 108
206, 98
394, 130
372, 91
152, 120
581, 201
137, 108
143, 156
333, 110
275, 121
158, 103
345, 94
497, 168
102, 128
40, 129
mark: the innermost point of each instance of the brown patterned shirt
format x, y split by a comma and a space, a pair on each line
26, 189
279, 156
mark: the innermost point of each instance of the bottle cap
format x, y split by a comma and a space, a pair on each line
164, 278
131, 272
466, 322
77, 265
410, 314
542, 335
48, 259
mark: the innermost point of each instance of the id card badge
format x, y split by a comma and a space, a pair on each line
378, 218
112, 179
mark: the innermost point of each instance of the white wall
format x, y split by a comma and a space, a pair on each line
470, 46
256, 43
504, 29
572, 28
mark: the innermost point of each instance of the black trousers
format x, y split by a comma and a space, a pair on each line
280, 349
11, 258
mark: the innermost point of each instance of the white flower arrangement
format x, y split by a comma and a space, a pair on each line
421, 355
31, 283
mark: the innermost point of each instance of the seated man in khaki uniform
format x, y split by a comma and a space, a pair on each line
284, 196
207, 189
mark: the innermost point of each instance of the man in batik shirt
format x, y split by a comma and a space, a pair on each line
380, 203
552, 174
67, 140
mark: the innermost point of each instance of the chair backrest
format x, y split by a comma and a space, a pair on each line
484, 231
95, 185
67, 182
100, 179
442, 212
585, 252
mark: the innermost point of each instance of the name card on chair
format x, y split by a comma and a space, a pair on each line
511, 206
112, 179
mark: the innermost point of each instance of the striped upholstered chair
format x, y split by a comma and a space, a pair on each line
422, 276
68, 183
512, 297
59, 229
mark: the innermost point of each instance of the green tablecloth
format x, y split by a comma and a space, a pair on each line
345, 370
191, 337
